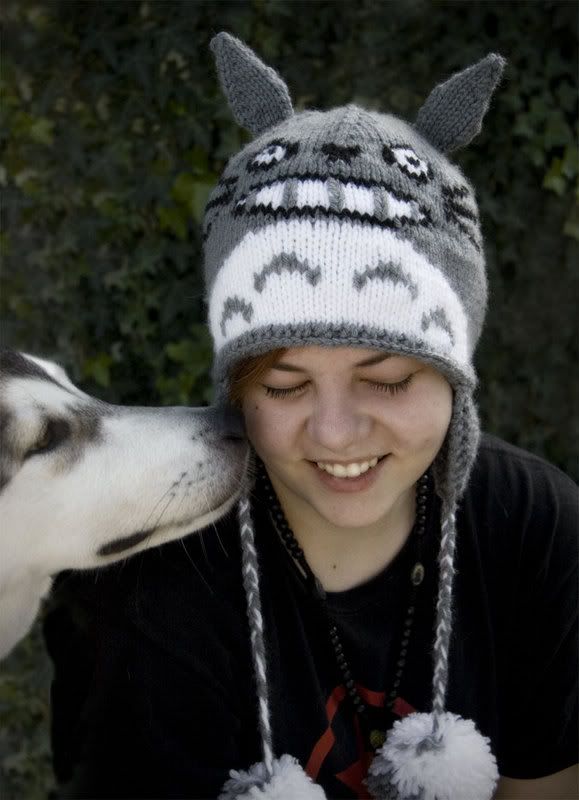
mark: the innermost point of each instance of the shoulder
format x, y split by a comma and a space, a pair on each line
520, 480
520, 511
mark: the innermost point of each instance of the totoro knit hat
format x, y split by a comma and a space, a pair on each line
350, 227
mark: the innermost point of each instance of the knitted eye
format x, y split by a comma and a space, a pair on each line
408, 161
271, 155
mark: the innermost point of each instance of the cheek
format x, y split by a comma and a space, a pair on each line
425, 416
269, 429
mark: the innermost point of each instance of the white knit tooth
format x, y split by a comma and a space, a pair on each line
358, 198
399, 208
271, 196
313, 194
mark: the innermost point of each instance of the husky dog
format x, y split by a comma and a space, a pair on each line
84, 483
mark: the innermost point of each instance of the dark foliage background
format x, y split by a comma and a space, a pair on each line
113, 132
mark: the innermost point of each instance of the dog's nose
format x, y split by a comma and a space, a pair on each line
230, 424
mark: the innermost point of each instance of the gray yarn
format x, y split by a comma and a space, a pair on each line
239, 71
250, 569
253, 343
443, 612
388, 186
454, 111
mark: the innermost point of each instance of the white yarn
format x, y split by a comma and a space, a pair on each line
288, 782
461, 768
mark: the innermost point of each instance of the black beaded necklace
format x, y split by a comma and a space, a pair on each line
375, 736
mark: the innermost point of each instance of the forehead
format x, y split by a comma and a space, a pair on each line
335, 359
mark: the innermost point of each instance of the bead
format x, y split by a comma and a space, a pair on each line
417, 574
377, 738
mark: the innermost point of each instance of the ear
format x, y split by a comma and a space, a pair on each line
256, 94
453, 113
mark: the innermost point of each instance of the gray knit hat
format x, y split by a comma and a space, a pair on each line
350, 227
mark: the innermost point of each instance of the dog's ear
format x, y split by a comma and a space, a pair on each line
256, 94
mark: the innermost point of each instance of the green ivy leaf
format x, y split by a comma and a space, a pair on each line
99, 369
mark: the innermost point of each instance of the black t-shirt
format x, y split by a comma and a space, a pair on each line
153, 694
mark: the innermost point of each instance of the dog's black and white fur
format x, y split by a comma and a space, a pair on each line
84, 483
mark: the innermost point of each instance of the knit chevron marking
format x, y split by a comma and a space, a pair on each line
286, 262
386, 272
234, 305
387, 276
439, 318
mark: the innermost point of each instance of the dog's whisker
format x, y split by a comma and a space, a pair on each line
160, 500
214, 525
195, 566
162, 514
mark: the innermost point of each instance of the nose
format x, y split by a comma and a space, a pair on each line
230, 423
337, 423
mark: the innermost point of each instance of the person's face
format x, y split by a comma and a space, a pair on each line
343, 412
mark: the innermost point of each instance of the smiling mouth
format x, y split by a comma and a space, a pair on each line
331, 197
350, 469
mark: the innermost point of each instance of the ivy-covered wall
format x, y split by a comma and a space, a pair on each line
114, 130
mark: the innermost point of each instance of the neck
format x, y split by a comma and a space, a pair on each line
342, 558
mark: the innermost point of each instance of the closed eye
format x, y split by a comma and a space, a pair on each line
391, 388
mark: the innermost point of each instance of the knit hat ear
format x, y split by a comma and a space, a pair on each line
453, 112
257, 96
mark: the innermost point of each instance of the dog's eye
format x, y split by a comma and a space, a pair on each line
54, 432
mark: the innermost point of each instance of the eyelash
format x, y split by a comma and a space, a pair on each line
391, 388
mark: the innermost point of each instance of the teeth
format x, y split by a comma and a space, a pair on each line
351, 471
375, 202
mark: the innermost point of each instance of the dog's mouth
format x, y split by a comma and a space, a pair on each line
125, 543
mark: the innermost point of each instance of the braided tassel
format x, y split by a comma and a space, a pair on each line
270, 779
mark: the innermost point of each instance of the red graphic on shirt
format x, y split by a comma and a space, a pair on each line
352, 776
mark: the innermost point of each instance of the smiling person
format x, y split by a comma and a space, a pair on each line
390, 611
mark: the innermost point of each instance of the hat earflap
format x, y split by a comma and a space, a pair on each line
441, 756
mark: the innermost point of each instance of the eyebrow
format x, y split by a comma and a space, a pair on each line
367, 363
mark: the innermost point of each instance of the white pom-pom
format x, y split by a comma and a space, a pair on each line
458, 765
288, 782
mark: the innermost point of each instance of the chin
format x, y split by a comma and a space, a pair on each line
353, 514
